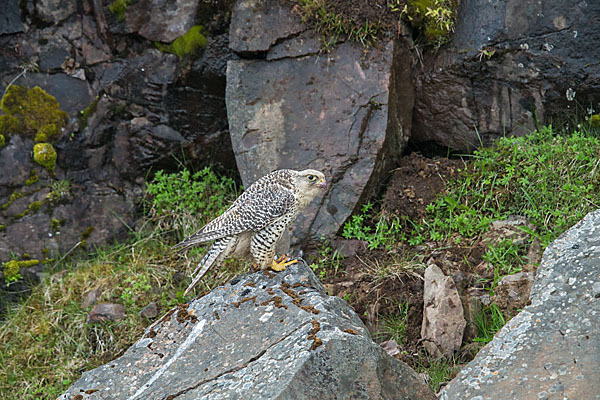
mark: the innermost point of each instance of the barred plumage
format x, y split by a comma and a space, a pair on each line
256, 220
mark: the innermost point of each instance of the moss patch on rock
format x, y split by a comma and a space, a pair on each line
118, 8
187, 45
85, 114
11, 269
31, 112
2, 141
45, 155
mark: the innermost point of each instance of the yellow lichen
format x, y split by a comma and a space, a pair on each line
45, 155
29, 111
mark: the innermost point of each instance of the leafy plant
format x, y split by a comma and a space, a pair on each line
184, 201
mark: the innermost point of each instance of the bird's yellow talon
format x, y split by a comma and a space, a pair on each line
282, 262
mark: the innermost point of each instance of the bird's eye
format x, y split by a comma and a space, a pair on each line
311, 177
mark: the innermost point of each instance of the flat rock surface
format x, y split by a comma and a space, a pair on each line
551, 350
262, 336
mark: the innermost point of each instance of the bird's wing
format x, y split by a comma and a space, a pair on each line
250, 212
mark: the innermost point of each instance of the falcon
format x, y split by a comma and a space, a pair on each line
256, 220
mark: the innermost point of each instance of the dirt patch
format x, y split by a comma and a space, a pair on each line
416, 182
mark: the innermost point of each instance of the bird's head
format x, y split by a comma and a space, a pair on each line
311, 182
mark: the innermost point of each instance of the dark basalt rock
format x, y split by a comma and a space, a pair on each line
508, 66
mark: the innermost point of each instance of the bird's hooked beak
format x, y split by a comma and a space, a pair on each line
322, 183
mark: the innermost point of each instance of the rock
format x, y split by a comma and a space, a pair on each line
15, 164
106, 312
72, 94
506, 67
443, 320
90, 298
150, 311
513, 291
251, 19
55, 11
10, 17
258, 337
551, 349
161, 20
349, 119
391, 347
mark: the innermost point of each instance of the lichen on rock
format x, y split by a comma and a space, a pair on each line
45, 155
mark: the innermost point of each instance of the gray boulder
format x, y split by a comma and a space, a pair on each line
507, 66
262, 336
551, 350
347, 113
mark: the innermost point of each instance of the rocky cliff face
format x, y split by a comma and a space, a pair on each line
132, 109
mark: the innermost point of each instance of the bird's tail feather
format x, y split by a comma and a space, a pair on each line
207, 261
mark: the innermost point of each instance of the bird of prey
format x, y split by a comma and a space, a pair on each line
256, 220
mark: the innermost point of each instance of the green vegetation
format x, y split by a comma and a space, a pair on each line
11, 269
85, 114
184, 201
58, 190
45, 155
488, 322
45, 342
332, 25
506, 258
551, 180
439, 370
394, 326
31, 112
118, 8
33, 178
187, 45
327, 262
434, 18
2, 141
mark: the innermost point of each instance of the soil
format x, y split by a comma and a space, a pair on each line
414, 184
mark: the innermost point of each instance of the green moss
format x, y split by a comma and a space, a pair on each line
45, 155
594, 121
86, 233
11, 269
36, 205
29, 111
188, 44
47, 133
118, 8
14, 196
2, 141
2, 227
55, 225
33, 178
85, 114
